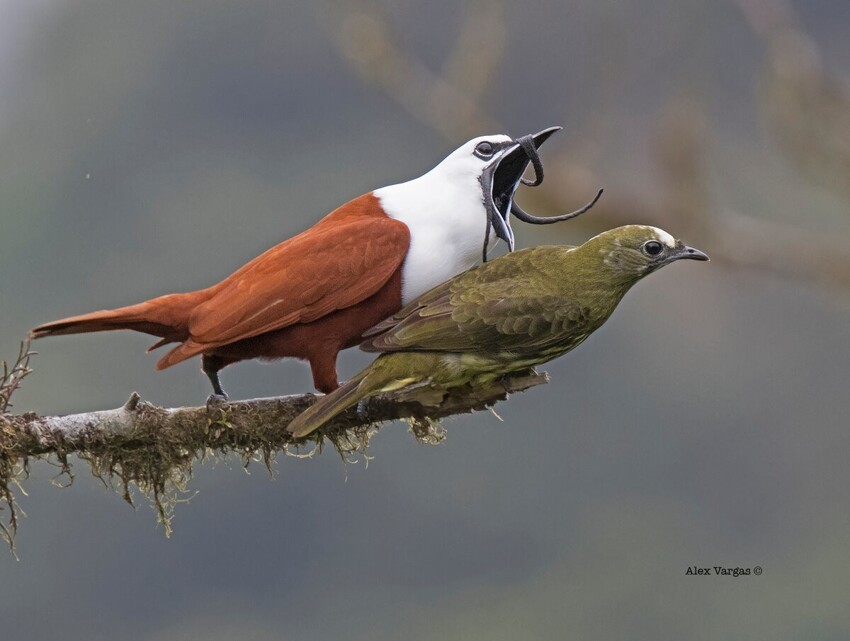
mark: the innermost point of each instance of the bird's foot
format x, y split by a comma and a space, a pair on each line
215, 401
363, 410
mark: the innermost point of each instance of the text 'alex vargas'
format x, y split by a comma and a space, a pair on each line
718, 570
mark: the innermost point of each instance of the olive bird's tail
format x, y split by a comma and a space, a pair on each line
372, 380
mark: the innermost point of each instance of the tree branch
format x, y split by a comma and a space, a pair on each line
154, 448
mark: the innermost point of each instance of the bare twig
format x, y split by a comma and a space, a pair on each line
12, 377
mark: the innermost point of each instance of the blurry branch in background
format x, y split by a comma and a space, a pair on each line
154, 448
737, 240
448, 103
807, 110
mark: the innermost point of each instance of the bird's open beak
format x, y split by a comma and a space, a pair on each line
500, 180
689, 253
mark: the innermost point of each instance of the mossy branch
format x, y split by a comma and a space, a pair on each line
154, 448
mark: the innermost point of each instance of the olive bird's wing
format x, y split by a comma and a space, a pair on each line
502, 306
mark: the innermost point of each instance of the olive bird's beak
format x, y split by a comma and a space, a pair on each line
500, 180
690, 253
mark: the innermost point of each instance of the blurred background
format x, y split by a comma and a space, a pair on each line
155, 146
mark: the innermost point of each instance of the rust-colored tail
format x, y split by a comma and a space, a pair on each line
166, 317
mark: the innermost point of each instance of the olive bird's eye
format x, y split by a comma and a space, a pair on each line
653, 248
484, 150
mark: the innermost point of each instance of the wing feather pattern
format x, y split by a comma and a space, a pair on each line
502, 306
298, 281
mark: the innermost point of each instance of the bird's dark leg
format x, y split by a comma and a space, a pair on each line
323, 366
211, 364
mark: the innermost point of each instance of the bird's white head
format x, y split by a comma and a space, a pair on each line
459, 205
474, 156
496, 163
477, 180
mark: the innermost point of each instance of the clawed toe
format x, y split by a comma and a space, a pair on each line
363, 410
214, 400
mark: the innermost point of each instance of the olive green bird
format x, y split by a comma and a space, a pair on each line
509, 314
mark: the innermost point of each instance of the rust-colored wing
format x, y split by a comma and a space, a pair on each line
327, 268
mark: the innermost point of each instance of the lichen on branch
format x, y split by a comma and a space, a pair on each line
153, 448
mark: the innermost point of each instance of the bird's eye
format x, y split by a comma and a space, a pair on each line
484, 149
653, 248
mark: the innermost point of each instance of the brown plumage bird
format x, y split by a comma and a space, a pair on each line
316, 293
